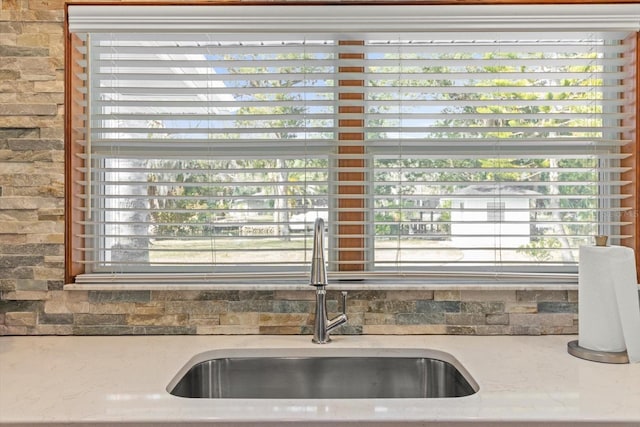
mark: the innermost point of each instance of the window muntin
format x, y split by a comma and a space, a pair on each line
427, 142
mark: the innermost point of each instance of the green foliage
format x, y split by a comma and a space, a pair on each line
403, 181
541, 248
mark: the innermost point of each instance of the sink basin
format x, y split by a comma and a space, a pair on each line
343, 374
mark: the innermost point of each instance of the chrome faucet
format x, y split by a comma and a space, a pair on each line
322, 325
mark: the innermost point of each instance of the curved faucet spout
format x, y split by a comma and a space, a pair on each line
322, 325
318, 265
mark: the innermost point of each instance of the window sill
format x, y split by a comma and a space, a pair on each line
361, 286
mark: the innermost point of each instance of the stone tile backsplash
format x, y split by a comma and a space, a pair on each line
285, 312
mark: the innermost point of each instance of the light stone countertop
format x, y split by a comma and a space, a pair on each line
523, 380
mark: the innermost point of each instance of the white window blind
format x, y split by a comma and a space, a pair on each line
495, 150
444, 153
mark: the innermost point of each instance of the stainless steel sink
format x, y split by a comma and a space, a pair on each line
296, 374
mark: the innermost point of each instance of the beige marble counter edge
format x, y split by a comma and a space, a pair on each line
122, 380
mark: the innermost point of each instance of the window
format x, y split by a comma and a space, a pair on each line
208, 154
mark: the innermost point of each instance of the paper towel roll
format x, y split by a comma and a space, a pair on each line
628, 304
608, 308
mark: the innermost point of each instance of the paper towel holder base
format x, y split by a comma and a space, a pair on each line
574, 349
